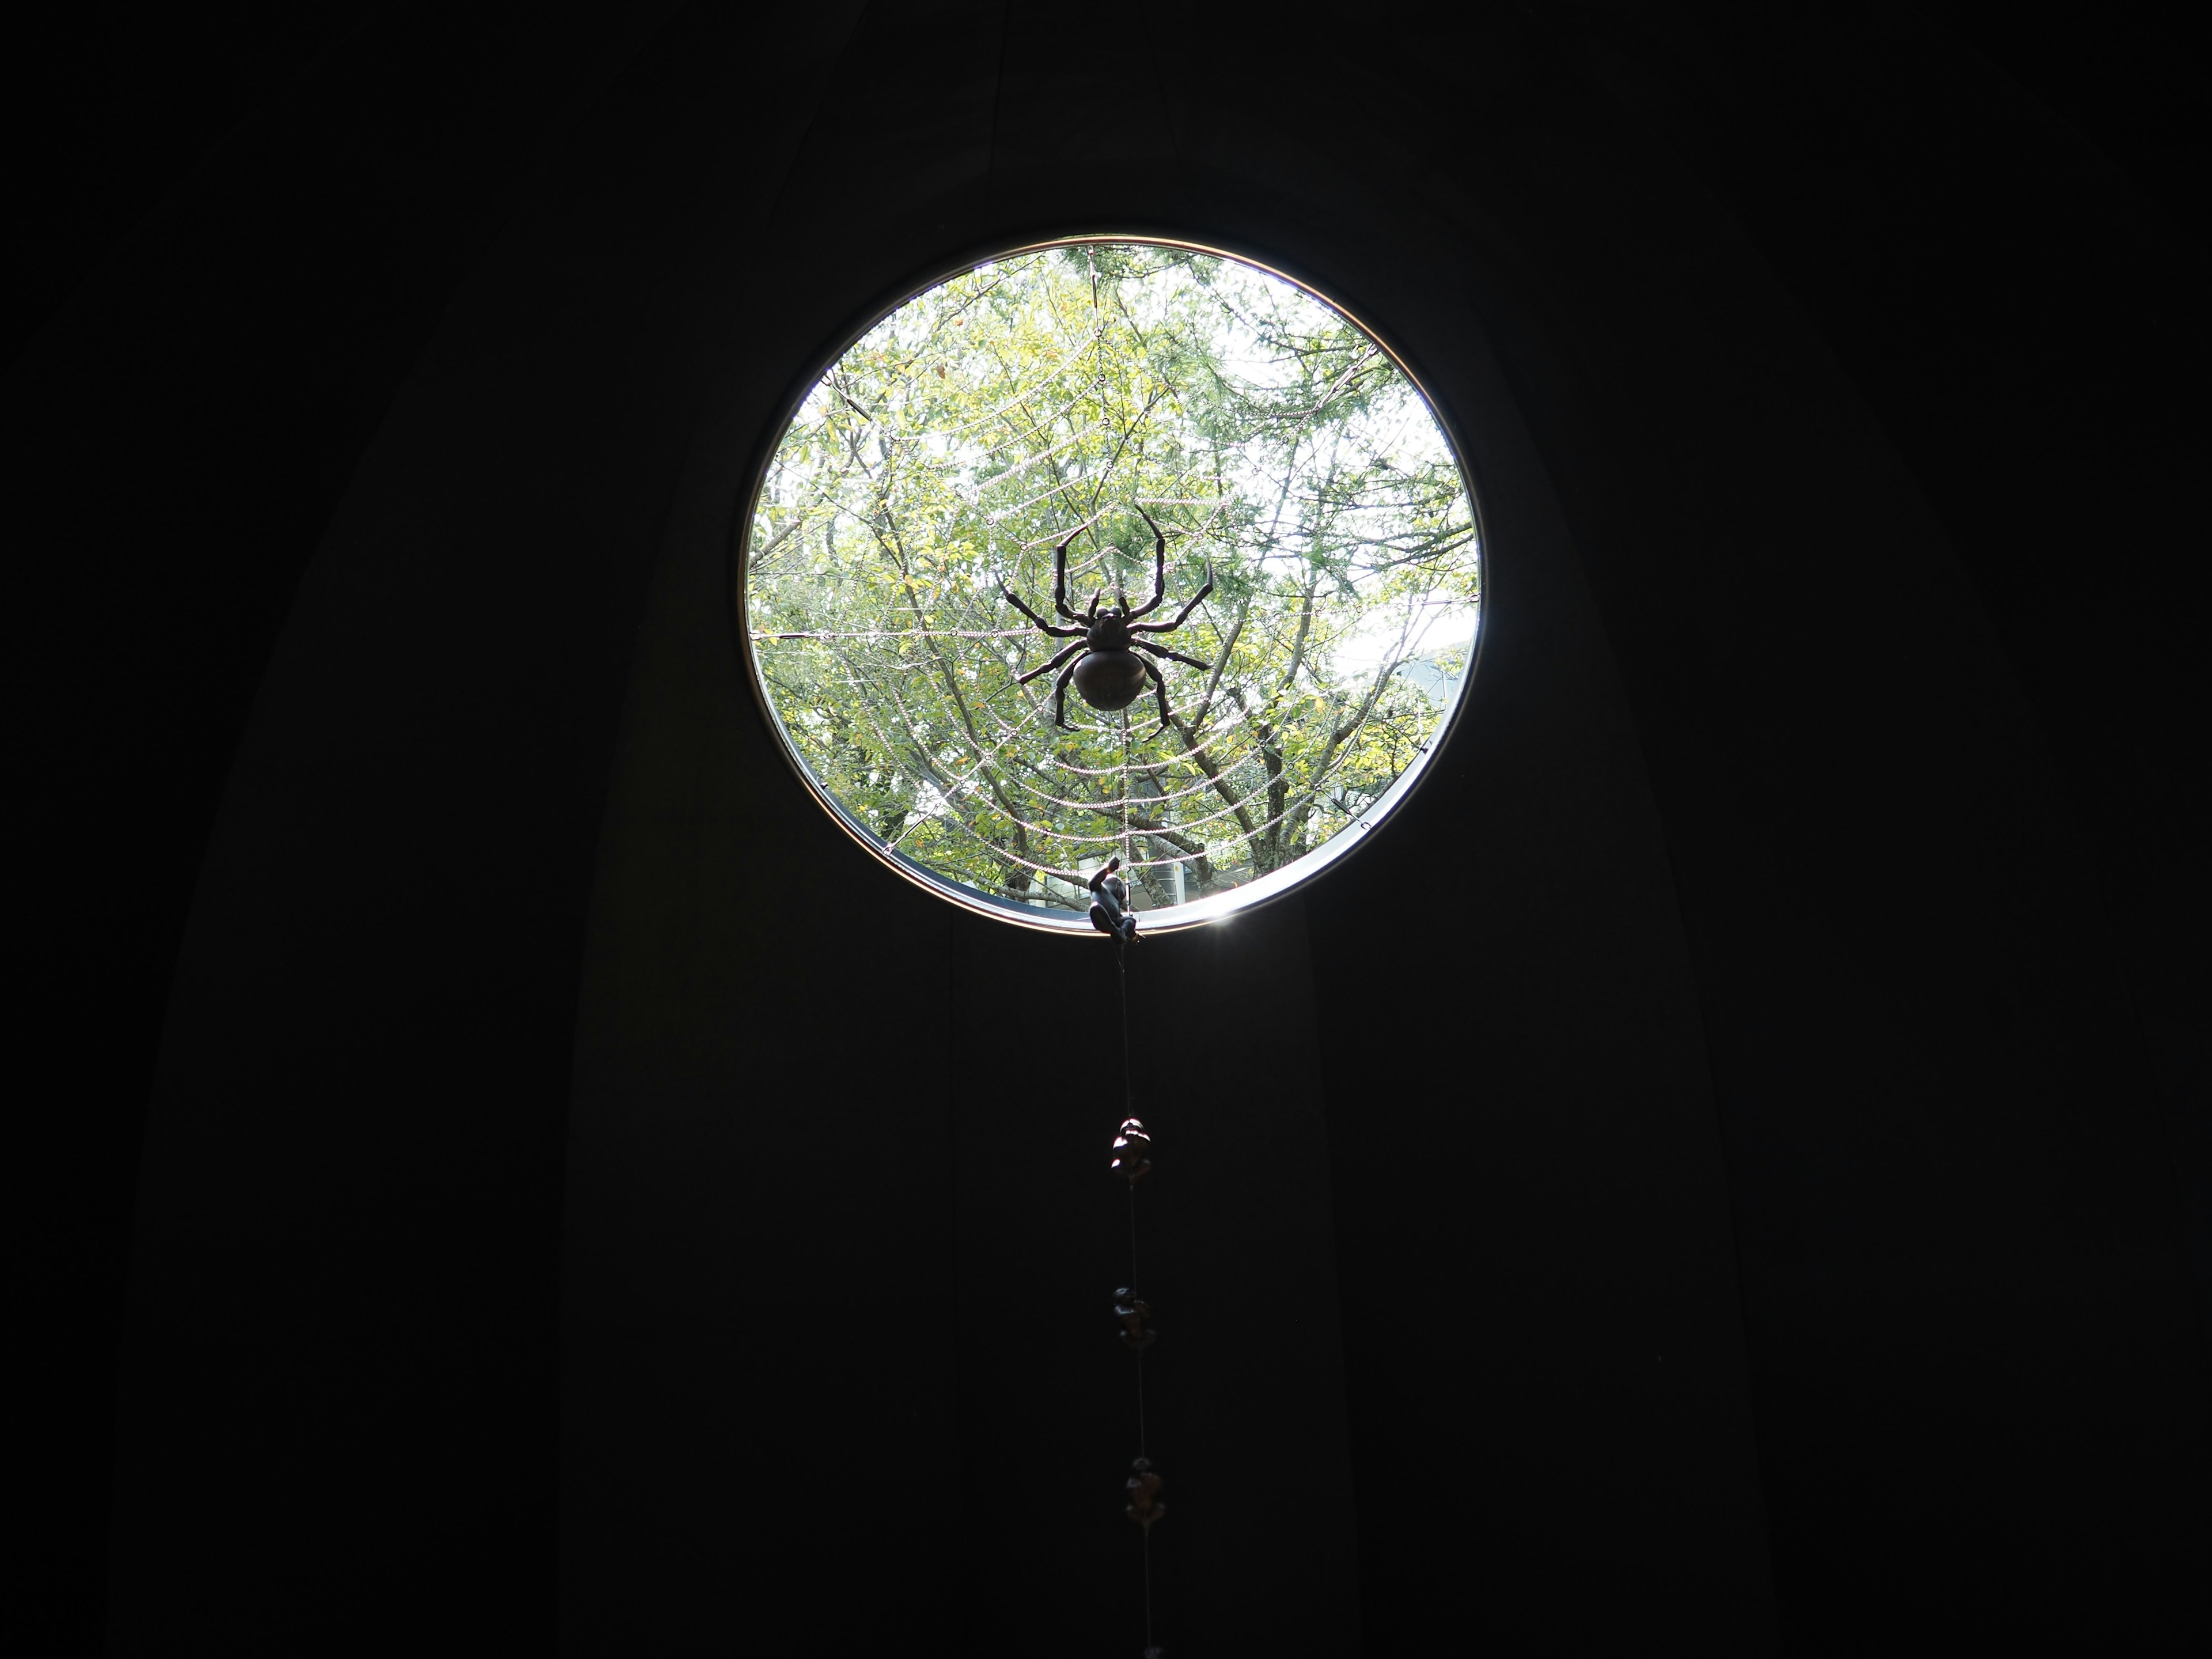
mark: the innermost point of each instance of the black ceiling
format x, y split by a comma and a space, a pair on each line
584, 1202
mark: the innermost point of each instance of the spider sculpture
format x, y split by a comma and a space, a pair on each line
1107, 671
1110, 903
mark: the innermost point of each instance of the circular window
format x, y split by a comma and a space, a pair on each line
1112, 548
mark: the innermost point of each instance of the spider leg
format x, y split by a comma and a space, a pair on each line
1159, 569
1057, 633
1162, 651
1060, 695
1059, 578
1047, 667
1159, 690
1182, 616
1092, 614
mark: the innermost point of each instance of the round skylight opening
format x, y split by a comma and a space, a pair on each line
1318, 594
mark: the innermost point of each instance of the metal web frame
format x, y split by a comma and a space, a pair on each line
1009, 754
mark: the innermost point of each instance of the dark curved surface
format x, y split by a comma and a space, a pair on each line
1109, 680
584, 1202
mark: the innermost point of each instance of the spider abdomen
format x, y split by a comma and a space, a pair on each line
1109, 679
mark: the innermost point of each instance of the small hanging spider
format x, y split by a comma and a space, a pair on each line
1107, 673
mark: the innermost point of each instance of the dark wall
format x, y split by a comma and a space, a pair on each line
915, 1221
1776, 1147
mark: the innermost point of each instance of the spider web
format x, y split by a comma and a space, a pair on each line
886, 534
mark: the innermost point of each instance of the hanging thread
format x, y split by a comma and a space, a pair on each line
1133, 1160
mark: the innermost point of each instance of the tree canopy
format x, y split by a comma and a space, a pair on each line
1050, 395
